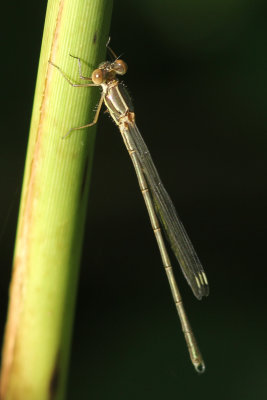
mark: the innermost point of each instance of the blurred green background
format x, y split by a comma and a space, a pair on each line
197, 75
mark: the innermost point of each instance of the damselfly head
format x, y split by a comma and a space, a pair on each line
107, 71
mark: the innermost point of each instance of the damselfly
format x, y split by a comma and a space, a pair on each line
159, 205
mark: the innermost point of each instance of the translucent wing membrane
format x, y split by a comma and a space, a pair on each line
172, 226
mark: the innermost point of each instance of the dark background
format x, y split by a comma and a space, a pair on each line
197, 75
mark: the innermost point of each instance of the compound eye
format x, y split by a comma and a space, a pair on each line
97, 76
120, 67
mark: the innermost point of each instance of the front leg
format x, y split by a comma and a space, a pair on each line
69, 81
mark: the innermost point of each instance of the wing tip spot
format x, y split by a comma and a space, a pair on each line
197, 281
205, 278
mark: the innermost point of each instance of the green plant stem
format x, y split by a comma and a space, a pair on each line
53, 205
